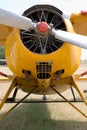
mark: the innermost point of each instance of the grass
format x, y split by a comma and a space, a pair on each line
43, 117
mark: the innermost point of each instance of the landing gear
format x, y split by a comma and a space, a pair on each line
44, 97
74, 98
69, 102
33, 89
12, 99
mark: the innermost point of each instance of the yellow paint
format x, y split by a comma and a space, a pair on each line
4, 32
79, 22
19, 58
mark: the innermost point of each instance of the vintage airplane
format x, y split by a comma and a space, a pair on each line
43, 50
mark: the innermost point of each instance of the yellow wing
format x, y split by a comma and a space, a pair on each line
4, 32
79, 22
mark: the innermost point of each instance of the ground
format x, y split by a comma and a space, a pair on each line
59, 116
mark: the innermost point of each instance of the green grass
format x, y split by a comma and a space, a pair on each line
42, 117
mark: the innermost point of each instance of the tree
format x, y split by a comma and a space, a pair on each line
2, 52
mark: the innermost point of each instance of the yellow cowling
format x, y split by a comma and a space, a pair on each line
19, 58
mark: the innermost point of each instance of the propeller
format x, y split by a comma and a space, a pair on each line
71, 38
14, 20
21, 22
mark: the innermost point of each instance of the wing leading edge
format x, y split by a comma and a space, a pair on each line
79, 22
4, 32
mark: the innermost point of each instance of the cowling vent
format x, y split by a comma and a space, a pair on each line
43, 70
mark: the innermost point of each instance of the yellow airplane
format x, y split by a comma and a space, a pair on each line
43, 50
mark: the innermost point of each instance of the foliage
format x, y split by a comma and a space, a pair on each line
2, 55
2, 52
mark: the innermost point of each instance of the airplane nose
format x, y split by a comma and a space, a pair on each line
42, 27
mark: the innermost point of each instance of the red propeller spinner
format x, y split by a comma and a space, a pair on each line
42, 27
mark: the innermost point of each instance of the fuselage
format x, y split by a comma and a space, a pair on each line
42, 68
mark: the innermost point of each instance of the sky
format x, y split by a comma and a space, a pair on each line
67, 6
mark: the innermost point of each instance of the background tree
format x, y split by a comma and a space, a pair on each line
2, 52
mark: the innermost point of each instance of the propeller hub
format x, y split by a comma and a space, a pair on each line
42, 27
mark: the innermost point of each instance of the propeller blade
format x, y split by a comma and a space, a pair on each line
14, 20
72, 38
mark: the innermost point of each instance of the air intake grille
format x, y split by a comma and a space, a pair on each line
43, 70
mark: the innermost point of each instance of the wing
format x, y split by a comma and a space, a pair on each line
4, 32
79, 22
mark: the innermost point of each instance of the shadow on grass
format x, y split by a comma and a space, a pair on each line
37, 117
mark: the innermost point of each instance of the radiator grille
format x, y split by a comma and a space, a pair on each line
43, 70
